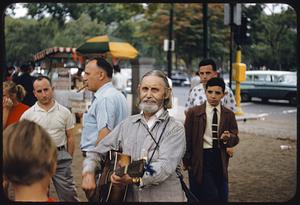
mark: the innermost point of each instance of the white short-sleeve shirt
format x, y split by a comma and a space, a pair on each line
55, 121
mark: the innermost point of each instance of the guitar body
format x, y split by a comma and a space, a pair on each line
107, 191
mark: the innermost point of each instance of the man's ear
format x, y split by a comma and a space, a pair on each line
167, 93
215, 74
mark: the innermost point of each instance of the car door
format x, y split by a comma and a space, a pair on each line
259, 89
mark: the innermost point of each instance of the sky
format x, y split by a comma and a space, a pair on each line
21, 12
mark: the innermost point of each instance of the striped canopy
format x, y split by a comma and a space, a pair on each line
108, 44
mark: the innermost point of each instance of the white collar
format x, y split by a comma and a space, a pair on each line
211, 108
157, 114
39, 108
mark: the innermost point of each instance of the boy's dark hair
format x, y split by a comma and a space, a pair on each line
208, 61
216, 82
106, 66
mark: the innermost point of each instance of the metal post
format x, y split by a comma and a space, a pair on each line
170, 41
238, 84
205, 30
135, 76
231, 44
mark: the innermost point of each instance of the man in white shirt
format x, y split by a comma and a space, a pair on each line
119, 81
58, 122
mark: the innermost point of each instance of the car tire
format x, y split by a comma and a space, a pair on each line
245, 97
293, 100
264, 100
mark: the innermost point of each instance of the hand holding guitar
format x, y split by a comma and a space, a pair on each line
121, 181
88, 183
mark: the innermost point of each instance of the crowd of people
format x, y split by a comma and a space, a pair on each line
38, 141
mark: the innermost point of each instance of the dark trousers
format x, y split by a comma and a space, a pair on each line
213, 186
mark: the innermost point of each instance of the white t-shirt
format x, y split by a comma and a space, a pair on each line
119, 81
55, 121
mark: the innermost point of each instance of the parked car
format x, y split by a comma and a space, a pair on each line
180, 79
269, 84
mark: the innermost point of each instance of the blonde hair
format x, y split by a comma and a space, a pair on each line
29, 153
13, 88
168, 90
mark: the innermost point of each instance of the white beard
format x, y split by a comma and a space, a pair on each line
148, 108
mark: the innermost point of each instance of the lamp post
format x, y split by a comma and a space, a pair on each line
170, 41
205, 30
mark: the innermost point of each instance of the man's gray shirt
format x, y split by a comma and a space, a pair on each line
132, 137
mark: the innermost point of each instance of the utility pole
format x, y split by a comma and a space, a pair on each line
231, 43
170, 41
205, 30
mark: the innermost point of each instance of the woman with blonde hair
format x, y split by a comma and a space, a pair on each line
12, 107
29, 160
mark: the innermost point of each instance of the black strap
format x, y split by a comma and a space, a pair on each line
188, 193
157, 143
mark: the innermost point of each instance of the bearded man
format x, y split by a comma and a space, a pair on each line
153, 135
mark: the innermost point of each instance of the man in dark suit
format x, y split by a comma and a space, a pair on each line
26, 80
210, 128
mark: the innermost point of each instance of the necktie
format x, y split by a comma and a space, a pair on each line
214, 129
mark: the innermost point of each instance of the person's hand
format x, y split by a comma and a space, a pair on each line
225, 136
120, 181
88, 184
229, 151
7, 103
186, 167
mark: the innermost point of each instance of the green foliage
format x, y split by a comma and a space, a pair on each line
33, 36
25, 37
273, 37
77, 31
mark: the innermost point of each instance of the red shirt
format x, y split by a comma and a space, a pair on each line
51, 200
15, 113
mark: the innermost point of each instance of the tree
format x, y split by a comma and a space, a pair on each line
33, 36
273, 36
77, 31
25, 37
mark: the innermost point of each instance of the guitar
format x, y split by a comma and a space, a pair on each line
121, 164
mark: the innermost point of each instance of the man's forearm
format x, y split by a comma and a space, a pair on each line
70, 142
71, 146
102, 134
